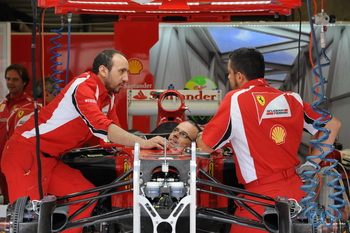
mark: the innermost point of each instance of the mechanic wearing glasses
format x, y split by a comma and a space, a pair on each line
184, 133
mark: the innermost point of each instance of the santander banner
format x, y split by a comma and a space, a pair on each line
199, 102
200, 95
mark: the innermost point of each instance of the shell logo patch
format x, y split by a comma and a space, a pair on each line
20, 114
261, 100
2, 107
135, 66
278, 134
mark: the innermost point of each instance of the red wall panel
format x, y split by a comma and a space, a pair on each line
131, 39
135, 41
84, 48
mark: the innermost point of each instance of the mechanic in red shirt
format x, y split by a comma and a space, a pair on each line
265, 128
17, 80
24, 112
85, 107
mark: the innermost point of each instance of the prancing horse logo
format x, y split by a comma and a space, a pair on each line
261, 99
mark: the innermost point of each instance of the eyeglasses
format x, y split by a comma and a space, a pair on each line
182, 133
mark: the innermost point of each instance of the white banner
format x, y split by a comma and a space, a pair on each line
143, 102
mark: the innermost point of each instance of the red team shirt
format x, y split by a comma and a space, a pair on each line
7, 106
264, 126
82, 109
86, 109
18, 117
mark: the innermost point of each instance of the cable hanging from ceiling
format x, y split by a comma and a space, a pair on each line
55, 55
313, 212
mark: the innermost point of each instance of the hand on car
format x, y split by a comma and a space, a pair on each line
155, 142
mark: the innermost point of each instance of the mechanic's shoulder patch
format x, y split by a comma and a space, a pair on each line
20, 113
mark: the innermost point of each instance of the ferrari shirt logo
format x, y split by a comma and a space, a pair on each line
20, 114
261, 99
2, 107
271, 105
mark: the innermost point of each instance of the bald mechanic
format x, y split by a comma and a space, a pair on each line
184, 134
85, 107
264, 126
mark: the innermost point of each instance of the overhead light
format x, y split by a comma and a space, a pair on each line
237, 11
153, 4
142, 1
100, 3
242, 3
172, 12
159, 3
108, 11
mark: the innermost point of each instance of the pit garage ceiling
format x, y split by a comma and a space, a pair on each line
280, 44
193, 9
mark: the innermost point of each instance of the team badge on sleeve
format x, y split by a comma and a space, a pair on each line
20, 114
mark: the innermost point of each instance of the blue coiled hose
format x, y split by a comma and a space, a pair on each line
312, 212
57, 45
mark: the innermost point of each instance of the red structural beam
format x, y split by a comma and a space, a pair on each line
172, 7
192, 10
